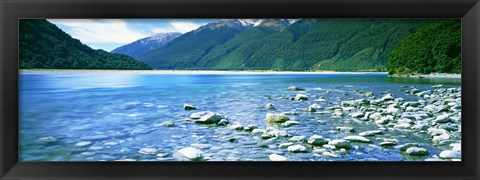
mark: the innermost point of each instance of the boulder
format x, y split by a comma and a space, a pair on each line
276, 118
206, 117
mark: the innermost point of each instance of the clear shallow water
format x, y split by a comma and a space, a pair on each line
120, 113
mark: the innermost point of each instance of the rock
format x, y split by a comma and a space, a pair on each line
206, 117
437, 86
444, 118
168, 124
442, 137
310, 109
388, 143
457, 147
301, 97
383, 120
375, 116
295, 88
411, 103
276, 157
320, 100
258, 131
223, 122
345, 129
83, 143
236, 126
190, 153
317, 140
276, 118
48, 139
276, 132
337, 113
416, 151
320, 151
394, 111
297, 148
189, 107
357, 139
357, 115
250, 127
404, 147
290, 122
147, 151
448, 154
340, 143
347, 104
402, 126
297, 139
269, 106
370, 133
285, 145
408, 116
414, 91
388, 97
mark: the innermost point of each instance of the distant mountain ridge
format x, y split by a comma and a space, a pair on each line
44, 45
140, 46
285, 44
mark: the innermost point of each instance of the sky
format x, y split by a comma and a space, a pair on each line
108, 34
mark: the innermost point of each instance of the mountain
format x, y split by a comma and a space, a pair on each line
286, 44
434, 48
186, 50
44, 45
138, 47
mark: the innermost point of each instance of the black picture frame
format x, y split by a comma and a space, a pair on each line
12, 10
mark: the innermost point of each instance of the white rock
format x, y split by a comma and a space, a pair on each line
300, 97
387, 97
357, 139
276, 157
416, 151
206, 117
317, 140
448, 154
295, 88
387, 143
285, 145
357, 115
297, 148
290, 122
444, 118
238, 127
190, 153
457, 147
258, 131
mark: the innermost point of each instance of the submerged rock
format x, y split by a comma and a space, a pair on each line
48, 139
168, 124
147, 151
276, 118
295, 88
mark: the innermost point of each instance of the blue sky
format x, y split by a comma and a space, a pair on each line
107, 34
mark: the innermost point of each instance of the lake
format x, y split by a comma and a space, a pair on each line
81, 116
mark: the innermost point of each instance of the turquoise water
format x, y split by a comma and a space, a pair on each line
120, 113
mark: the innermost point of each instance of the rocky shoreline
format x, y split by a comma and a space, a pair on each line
430, 76
436, 114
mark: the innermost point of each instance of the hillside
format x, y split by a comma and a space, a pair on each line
434, 48
305, 45
44, 45
138, 47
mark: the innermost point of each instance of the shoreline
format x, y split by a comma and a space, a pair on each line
428, 76
95, 71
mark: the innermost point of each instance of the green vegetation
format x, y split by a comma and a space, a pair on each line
44, 45
434, 48
306, 45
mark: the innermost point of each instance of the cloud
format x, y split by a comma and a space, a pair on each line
178, 26
100, 31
